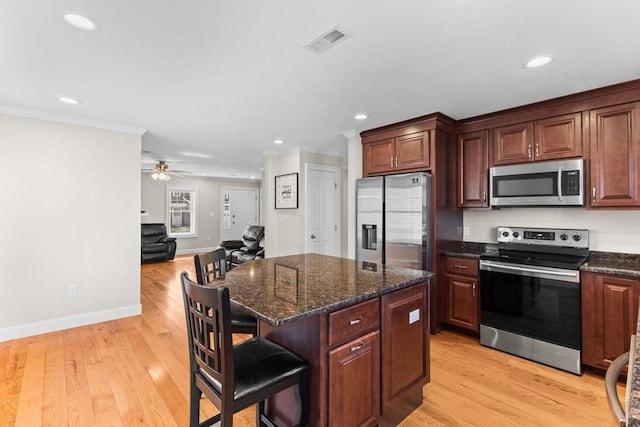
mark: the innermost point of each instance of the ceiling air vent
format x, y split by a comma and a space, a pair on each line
327, 40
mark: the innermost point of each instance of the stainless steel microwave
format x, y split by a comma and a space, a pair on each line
553, 183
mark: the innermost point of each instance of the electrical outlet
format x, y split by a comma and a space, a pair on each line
72, 289
467, 231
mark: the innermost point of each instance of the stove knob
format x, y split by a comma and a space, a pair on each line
577, 237
564, 236
516, 234
505, 234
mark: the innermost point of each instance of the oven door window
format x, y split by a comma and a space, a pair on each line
545, 309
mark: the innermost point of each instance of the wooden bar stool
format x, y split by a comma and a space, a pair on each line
234, 377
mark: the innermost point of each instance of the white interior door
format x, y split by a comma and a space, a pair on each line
239, 209
323, 210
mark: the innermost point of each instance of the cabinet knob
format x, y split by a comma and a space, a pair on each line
473, 288
392, 161
529, 151
593, 194
537, 150
464, 267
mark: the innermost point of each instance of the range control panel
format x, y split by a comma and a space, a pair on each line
544, 236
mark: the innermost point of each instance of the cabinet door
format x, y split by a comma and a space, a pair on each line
558, 137
413, 151
609, 317
354, 382
473, 170
405, 342
378, 157
615, 156
462, 302
512, 144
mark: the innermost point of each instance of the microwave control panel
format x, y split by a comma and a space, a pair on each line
571, 183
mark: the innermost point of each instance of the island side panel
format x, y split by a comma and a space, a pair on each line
405, 351
308, 339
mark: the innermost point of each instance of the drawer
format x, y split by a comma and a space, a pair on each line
352, 321
466, 266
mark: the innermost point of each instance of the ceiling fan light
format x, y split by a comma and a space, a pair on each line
162, 176
155, 176
167, 177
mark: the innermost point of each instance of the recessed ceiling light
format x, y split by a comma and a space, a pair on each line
82, 22
68, 100
361, 116
278, 141
538, 61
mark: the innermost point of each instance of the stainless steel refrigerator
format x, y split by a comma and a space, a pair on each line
393, 220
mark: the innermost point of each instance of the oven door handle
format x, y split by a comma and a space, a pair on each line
573, 274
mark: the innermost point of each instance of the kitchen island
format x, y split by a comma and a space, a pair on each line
362, 327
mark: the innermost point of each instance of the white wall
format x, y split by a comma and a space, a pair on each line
208, 200
609, 230
70, 214
285, 228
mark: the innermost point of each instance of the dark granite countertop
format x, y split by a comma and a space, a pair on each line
613, 263
285, 289
471, 250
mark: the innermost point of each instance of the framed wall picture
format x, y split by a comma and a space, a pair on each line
287, 191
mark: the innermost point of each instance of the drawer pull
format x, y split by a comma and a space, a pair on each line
355, 321
357, 346
464, 267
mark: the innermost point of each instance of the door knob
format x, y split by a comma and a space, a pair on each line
313, 236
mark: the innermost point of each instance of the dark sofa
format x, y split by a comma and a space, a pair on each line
250, 247
156, 245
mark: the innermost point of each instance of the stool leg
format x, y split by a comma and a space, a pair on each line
303, 388
194, 405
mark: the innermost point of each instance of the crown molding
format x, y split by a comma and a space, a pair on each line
72, 120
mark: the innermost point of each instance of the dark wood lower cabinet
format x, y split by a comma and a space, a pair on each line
405, 317
354, 375
609, 316
463, 293
368, 362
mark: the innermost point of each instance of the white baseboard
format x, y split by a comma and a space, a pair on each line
67, 322
194, 250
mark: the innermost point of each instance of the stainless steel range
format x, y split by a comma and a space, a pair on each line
530, 295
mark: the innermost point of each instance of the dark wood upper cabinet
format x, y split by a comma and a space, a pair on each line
614, 154
558, 137
413, 151
473, 170
392, 155
552, 138
378, 156
513, 144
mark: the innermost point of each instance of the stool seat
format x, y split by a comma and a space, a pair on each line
260, 363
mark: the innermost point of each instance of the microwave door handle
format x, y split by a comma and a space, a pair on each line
560, 183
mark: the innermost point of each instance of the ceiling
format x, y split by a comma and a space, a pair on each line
216, 82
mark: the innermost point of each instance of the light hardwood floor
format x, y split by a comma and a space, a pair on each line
134, 371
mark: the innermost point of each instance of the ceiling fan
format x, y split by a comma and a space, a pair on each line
162, 171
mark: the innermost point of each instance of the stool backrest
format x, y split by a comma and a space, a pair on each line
208, 315
210, 266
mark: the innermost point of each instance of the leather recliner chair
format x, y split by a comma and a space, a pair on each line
250, 247
156, 244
